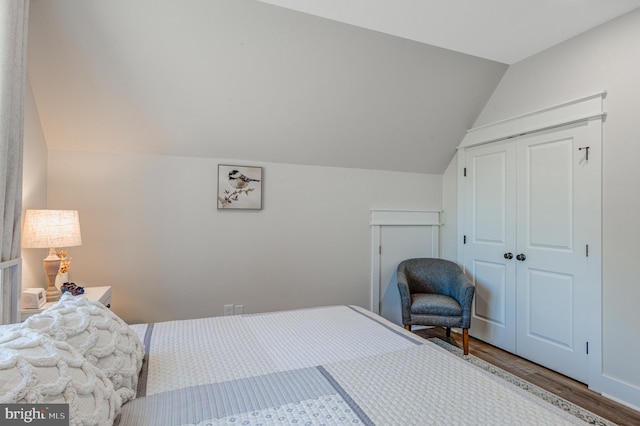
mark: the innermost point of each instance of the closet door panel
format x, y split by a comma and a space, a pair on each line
555, 329
551, 280
490, 234
549, 207
491, 292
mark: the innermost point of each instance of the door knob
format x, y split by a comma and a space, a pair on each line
508, 255
521, 257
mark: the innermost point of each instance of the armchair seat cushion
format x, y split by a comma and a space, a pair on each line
435, 304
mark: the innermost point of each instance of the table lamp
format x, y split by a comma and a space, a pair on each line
51, 229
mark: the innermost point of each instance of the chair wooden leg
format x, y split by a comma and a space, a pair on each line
407, 327
465, 341
448, 331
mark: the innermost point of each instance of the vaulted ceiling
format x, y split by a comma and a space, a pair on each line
500, 30
248, 80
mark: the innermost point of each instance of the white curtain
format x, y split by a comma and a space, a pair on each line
13, 58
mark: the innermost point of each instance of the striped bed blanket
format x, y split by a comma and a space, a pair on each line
328, 365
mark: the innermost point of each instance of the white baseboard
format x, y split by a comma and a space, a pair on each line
618, 391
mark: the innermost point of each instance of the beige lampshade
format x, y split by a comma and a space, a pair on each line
51, 228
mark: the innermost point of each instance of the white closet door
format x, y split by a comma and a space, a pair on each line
556, 220
490, 185
532, 216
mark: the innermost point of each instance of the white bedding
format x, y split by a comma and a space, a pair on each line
329, 365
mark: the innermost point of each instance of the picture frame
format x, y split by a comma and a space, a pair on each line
239, 187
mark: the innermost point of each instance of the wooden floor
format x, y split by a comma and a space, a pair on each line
569, 389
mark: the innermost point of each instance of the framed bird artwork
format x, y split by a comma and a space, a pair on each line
239, 187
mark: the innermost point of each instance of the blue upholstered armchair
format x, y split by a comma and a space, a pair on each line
435, 292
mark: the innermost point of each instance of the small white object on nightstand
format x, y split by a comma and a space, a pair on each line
33, 298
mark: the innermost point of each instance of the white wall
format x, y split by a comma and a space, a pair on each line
450, 211
151, 230
606, 58
34, 186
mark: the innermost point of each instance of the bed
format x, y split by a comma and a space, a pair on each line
324, 365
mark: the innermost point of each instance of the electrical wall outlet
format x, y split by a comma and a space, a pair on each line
238, 309
228, 310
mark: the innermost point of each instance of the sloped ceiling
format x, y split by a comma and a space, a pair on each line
241, 79
501, 30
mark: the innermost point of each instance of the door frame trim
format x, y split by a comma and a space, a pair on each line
583, 109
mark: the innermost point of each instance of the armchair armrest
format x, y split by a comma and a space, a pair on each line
464, 291
405, 295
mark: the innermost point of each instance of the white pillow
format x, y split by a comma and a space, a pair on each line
99, 335
39, 370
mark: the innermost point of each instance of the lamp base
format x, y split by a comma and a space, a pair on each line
53, 294
51, 267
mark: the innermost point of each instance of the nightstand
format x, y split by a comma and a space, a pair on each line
97, 294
